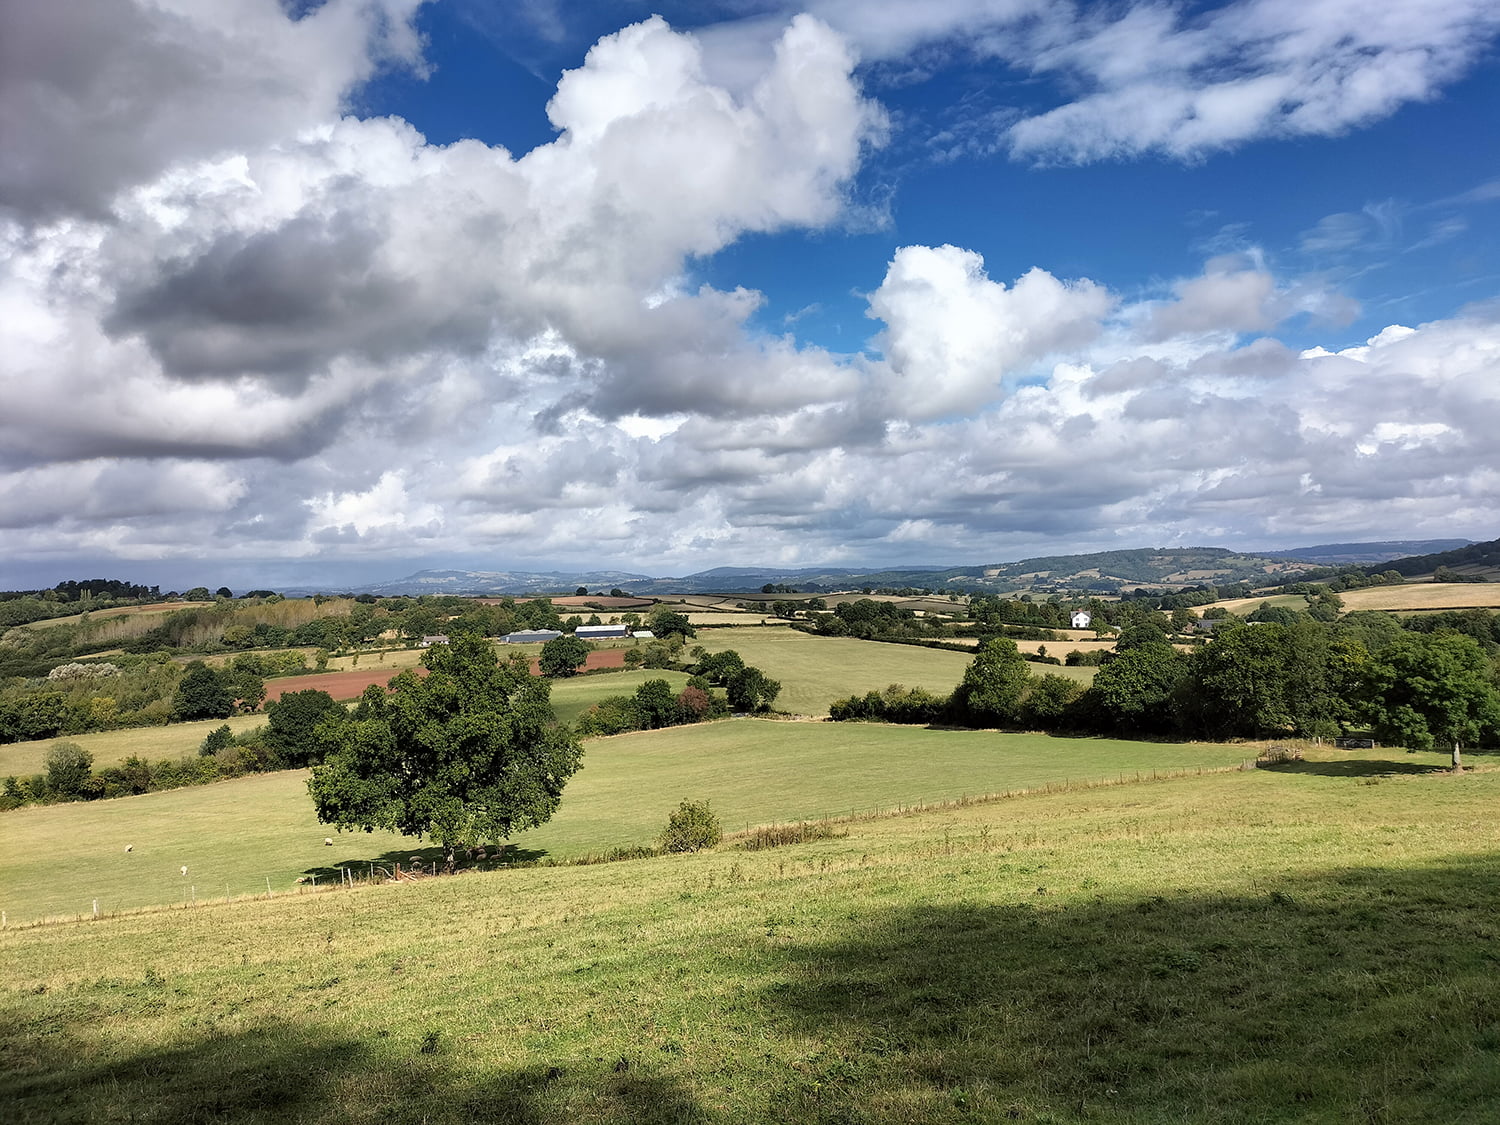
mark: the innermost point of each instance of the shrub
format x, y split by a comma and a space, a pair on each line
217, 740
615, 714
691, 827
68, 766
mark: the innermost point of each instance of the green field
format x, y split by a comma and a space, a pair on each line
814, 671
1310, 944
573, 696
112, 747
237, 834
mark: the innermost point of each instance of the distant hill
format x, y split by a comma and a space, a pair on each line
1474, 559
1368, 554
1105, 572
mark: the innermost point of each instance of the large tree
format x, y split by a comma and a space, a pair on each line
1420, 691
202, 693
1134, 691
293, 722
472, 753
993, 684
563, 656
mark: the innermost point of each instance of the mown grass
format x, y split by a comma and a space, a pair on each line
814, 671
57, 859
112, 747
1291, 945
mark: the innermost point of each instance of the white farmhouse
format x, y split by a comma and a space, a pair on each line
1082, 619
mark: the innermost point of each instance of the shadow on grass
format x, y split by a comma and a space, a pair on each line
425, 858
289, 1073
1357, 767
1368, 995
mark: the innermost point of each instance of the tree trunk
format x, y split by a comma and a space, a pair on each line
1458, 759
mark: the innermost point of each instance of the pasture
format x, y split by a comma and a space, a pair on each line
112, 747
814, 671
1305, 944
236, 834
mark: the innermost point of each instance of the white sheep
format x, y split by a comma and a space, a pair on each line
130, 847
328, 841
184, 871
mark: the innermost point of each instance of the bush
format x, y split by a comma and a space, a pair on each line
615, 714
68, 769
218, 739
691, 827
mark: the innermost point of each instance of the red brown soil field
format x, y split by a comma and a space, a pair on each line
350, 685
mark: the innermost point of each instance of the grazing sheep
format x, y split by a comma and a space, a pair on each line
184, 870
328, 841
130, 847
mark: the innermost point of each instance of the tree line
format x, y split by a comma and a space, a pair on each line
1425, 688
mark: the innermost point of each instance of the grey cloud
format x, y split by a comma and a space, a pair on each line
100, 95
285, 302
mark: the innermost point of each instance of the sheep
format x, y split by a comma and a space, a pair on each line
130, 847
184, 872
328, 841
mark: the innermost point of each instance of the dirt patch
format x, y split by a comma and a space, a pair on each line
598, 659
340, 685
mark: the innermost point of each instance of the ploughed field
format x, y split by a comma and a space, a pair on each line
1310, 943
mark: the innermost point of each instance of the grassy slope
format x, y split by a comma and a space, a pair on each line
241, 832
572, 697
1246, 947
814, 671
110, 748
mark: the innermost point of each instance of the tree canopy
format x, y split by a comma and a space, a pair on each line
993, 684
472, 753
563, 656
1421, 691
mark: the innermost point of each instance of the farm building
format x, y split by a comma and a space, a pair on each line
531, 636
600, 632
435, 639
1082, 619
644, 635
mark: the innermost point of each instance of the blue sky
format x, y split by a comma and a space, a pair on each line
347, 288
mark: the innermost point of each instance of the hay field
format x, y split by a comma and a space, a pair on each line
1410, 597
156, 609
1414, 596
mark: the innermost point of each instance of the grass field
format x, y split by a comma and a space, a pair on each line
814, 671
1297, 945
572, 697
244, 831
112, 747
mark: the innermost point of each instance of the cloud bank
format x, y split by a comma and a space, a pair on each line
241, 323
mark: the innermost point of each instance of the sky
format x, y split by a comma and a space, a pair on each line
328, 292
